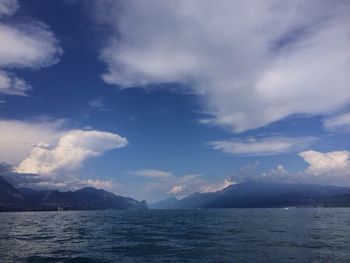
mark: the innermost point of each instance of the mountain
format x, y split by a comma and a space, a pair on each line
9, 196
265, 195
89, 198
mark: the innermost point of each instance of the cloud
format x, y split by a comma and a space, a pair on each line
165, 183
42, 153
329, 163
199, 184
262, 146
178, 190
339, 123
279, 171
12, 85
151, 173
25, 45
330, 168
36, 181
100, 184
72, 149
8, 7
17, 138
97, 104
254, 62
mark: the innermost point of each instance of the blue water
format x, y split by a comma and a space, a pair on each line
217, 235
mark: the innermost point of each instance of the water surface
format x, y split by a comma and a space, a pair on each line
209, 235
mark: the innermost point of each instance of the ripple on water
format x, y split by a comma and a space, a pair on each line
226, 235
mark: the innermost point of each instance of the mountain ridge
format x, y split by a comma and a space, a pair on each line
265, 195
88, 198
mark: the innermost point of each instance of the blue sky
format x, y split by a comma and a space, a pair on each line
163, 99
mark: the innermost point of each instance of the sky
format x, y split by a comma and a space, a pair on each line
156, 99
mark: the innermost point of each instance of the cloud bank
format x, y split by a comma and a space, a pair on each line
262, 146
30, 45
255, 62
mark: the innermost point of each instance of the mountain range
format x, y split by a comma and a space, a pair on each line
242, 195
263, 195
88, 198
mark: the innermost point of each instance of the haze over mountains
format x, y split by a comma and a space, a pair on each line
263, 195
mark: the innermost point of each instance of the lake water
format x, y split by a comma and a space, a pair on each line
217, 235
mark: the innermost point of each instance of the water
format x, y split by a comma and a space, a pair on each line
217, 235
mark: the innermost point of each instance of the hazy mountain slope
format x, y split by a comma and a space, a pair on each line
262, 194
9, 196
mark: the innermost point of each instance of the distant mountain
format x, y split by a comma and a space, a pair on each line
89, 198
9, 196
265, 195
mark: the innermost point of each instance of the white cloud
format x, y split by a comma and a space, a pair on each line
62, 182
198, 184
100, 184
71, 150
254, 62
262, 146
30, 45
163, 184
17, 138
151, 173
43, 154
330, 168
279, 171
335, 163
177, 189
339, 123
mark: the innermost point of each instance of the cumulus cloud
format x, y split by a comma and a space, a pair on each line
36, 181
17, 138
71, 150
24, 45
339, 123
329, 163
43, 153
254, 62
151, 173
262, 146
